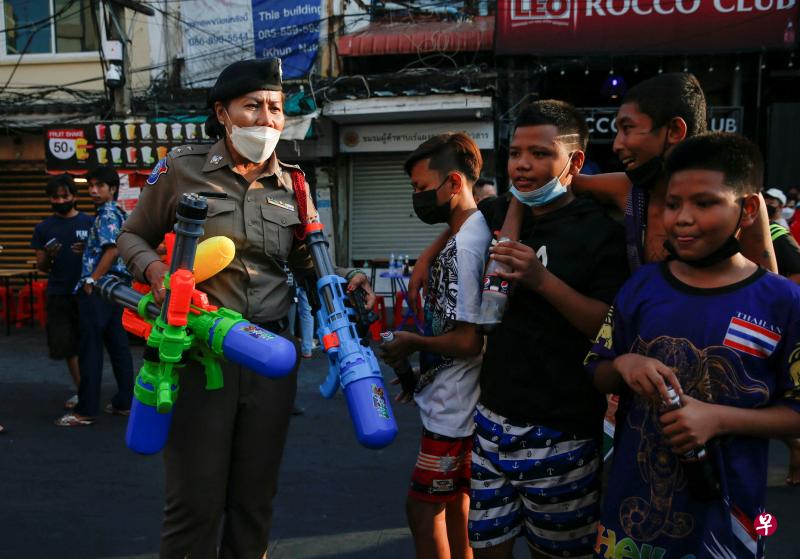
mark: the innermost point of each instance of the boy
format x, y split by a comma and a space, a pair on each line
443, 171
67, 228
101, 320
539, 421
724, 334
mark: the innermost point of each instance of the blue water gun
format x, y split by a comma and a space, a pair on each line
352, 364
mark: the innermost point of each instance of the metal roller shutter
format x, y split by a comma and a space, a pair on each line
382, 219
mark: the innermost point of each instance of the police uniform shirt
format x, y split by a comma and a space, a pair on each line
259, 217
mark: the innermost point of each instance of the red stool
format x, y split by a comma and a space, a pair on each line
6, 311
379, 325
39, 303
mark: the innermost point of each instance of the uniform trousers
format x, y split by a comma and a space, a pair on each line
222, 460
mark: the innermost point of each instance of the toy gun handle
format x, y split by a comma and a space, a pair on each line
364, 317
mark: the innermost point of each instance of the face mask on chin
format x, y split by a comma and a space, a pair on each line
254, 143
730, 247
544, 195
646, 174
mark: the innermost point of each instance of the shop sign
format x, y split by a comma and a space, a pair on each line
602, 121
407, 137
564, 27
128, 146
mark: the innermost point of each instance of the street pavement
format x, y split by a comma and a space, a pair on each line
79, 493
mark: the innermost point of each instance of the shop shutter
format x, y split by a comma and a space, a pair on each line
382, 219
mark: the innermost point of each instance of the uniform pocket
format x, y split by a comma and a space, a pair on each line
220, 218
279, 224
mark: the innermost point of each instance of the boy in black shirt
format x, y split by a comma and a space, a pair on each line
536, 454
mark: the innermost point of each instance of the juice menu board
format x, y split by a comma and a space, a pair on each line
128, 146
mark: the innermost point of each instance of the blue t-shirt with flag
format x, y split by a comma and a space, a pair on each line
737, 345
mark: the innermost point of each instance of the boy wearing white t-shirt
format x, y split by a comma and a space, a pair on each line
443, 171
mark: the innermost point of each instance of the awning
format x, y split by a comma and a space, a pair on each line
412, 38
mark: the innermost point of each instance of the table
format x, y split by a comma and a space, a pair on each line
6, 274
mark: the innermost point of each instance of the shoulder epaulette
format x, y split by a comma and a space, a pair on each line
195, 149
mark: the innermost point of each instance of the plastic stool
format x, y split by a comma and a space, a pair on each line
398, 320
379, 325
6, 314
39, 303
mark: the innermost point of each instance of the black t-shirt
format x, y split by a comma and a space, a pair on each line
787, 253
66, 269
533, 366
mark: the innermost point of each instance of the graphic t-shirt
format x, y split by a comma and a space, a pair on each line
447, 391
734, 346
66, 268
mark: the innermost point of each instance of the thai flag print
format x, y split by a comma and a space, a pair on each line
750, 338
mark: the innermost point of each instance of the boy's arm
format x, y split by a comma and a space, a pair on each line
419, 275
756, 241
463, 341
584, 313
607, 187
696, 422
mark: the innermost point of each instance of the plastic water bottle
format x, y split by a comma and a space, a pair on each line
494, 294
392, 265
700, 477
406, 268
403, 370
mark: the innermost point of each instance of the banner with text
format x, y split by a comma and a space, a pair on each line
602, 121
216, 33
636, 26
407, 137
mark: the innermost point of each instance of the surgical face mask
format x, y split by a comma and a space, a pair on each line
255, 143
427, 207
787, 213
544, 195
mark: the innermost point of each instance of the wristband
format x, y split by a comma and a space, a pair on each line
353, 273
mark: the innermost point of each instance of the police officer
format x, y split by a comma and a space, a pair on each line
225, 446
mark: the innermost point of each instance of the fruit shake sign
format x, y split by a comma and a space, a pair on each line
638, 26
128, 146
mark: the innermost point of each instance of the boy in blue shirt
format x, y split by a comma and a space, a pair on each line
58, 241
725, 335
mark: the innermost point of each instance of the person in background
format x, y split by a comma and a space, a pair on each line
59, 241
484, 188
101, 320
776, 205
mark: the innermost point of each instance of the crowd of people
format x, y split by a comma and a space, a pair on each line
662, 285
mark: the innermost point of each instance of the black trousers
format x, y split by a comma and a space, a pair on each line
222, 461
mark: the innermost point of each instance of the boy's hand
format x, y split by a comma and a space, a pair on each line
690, 426
361, 281
52, 250
402, 397
418, 280
526, 268
401, 347
646, 376
77, 247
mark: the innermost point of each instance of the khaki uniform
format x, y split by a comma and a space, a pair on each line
225, 446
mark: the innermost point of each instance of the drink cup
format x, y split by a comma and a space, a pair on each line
162, 151
145, 130
102, 155
161, 130
191, 131
116, 155
130, 153
100, 132
116, 132
147, 155
130, 131
177, 131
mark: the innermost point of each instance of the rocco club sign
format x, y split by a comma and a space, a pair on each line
625, 26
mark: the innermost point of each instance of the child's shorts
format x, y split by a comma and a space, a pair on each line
62, 326
537, 477
442, 470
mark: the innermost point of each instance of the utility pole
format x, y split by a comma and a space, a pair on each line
116, 32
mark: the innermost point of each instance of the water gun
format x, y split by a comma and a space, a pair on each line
186, 325
352, 364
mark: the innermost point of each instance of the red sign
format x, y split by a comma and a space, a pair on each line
589, 27
765, 524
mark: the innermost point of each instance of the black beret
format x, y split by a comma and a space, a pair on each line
246, 76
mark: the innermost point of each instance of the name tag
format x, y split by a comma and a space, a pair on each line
280, 204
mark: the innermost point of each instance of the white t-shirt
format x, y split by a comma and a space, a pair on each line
449, 385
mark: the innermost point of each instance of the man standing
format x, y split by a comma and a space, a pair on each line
58, 241
101, 320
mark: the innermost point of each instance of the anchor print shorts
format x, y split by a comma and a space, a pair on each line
536, 477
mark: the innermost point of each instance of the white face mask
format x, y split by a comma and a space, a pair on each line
255, 143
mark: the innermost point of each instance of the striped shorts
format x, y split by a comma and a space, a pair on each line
537, 477
442, 471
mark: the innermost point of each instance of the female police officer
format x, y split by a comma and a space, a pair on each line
225, 446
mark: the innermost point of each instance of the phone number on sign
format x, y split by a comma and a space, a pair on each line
228, 38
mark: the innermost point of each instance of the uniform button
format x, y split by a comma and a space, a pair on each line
249, 198
252, 222
283, 221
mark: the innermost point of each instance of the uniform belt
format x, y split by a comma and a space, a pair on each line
276, 326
